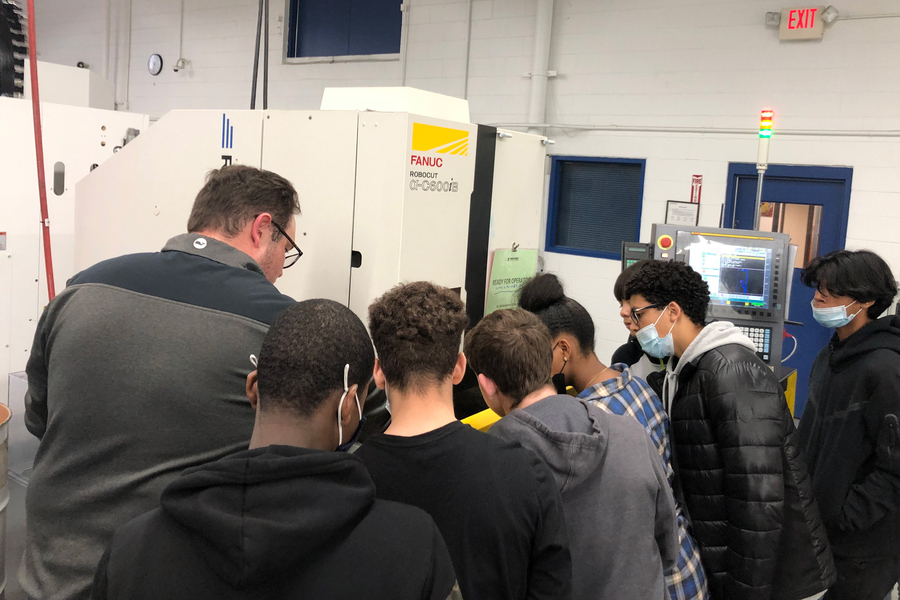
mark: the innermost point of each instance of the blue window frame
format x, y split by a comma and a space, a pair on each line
594, 205
324, 28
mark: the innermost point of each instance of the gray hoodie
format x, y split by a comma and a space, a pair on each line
619, 510
712, 336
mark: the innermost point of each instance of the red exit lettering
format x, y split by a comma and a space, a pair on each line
803, 18
426, 161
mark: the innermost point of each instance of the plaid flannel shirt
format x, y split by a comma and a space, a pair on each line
628, 395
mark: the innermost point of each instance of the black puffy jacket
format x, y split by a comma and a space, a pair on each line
743, 479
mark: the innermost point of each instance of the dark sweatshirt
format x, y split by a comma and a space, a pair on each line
495, 503
852, 439
277, 522
619, 509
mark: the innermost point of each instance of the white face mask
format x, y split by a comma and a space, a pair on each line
833, 316
652, 344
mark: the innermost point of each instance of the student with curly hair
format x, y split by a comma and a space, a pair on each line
739, 467
495, 503
850, 426
618, 390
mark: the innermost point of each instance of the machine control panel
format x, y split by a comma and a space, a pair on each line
633, 252
748, 274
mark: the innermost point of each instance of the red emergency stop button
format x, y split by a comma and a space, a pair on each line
664, 242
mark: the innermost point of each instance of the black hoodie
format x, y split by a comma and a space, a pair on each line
851, 438
277, 522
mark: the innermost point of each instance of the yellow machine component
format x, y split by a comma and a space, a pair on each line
443, 140
790, 389
482, 421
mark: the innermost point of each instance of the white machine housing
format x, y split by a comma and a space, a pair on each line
75, 138
391, 188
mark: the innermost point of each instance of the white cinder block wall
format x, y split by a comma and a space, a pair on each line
687, 63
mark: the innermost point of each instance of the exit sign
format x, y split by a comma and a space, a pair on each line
802, 23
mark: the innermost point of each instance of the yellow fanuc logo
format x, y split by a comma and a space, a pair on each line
443, 140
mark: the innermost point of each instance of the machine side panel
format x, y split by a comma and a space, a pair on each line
439, 179
378, 210
148, 188
316, 151
518, 191
73, 136
78, 138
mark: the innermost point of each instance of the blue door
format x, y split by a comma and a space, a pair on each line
811, 204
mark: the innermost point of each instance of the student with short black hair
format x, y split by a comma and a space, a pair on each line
617, 390
849, 428
648, 368
495, 503
607, 469
739, 466
290, 517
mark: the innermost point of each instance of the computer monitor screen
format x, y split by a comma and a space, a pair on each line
738, 273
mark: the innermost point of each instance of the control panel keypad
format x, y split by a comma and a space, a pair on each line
761, 338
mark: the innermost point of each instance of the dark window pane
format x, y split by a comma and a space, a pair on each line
323, 27
343, 27
598, 205
375, 26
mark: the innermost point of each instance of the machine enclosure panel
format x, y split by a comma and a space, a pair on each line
316, 151
77, 137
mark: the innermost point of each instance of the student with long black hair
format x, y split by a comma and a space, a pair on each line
618, 391
850, 429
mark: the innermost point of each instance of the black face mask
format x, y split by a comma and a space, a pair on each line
559, 382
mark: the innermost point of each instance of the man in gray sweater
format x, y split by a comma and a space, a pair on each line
619, 509
138, 372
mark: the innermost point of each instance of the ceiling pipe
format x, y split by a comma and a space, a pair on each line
537, 103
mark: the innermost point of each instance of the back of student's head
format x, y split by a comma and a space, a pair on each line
624, 277
417, 328
861, 275
303, 356
664, 282
514, 349
543, 295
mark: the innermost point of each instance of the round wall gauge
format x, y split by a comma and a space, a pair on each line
155, 64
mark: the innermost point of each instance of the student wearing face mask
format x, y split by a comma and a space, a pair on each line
619, 391
650, 369
739, 467
849, 427
291, 517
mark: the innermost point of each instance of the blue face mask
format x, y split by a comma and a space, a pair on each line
833, 316
654, 345
345, 446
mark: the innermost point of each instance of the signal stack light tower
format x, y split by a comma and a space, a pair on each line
762, 159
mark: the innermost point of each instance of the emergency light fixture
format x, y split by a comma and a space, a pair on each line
765, 124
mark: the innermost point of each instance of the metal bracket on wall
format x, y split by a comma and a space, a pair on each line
547, 74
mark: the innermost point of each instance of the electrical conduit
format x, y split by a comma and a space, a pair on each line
537, 103
39, 148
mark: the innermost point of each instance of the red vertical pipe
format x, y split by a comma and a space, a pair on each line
39, 147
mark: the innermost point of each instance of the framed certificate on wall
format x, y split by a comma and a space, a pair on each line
682, 213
